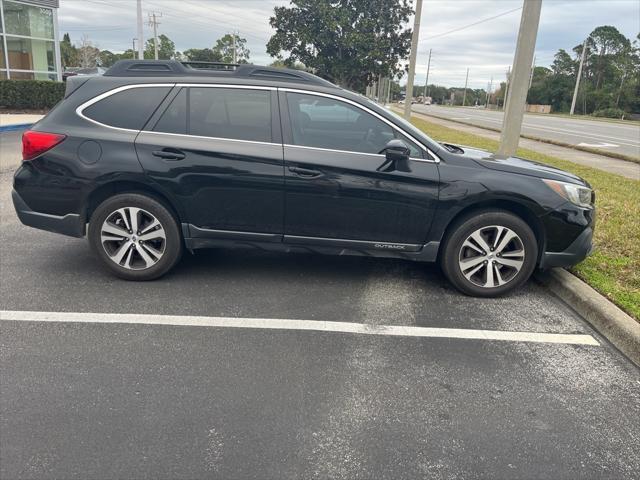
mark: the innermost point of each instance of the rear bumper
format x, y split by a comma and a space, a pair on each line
581, 247
71, 224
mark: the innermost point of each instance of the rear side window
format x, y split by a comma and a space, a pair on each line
174, 118
230, 113
127, 109
238, 114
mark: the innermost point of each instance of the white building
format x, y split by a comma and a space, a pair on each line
29, 42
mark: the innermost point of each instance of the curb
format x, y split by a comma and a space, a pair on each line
17, 126
596, 151
611, 322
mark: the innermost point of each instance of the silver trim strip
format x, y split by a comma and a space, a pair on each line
353, 153
219, 139
368, 110
82, 107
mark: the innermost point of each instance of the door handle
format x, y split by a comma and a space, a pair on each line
169, 154
306, 172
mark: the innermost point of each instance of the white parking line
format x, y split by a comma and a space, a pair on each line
309, 325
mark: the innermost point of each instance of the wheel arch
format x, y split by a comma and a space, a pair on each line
108, 190
520, 210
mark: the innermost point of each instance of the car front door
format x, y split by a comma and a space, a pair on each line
336, 185
218, 150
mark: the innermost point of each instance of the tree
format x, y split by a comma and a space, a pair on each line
166, 48
87, 53
202, 55
283, 64
606, 41
68, 53
107, 58
347, 42
224, 48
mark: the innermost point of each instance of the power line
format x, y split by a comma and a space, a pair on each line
473, 24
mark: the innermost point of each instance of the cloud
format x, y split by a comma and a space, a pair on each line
486, 48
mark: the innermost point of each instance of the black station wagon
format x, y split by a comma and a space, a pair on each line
156, 157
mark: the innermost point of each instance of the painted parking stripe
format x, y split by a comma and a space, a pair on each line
302, 325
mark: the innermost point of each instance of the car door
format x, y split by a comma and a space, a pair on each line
218, 150
335, 188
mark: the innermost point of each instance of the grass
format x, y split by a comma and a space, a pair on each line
614, 267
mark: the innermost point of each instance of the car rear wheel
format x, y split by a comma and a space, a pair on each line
135, 236
489, 253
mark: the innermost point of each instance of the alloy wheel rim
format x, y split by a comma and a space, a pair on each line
491, 256
133, 238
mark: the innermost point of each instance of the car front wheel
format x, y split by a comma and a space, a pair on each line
489, 253
135, 236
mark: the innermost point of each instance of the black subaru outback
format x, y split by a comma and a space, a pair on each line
158, 156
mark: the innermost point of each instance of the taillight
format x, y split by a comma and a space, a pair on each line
36, 143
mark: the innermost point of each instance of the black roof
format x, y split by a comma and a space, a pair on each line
171, 68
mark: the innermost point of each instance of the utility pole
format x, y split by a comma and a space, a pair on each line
412, 59
575, 91
466, 81
153, 22
506, 89
133, 48
514, 111
489, 92
533, 68
140, 33
426, 82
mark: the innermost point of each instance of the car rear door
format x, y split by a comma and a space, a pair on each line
333, 187
218, 150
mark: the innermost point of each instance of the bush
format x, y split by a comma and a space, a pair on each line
32, 94
609, 113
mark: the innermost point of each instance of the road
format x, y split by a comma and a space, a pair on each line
221, 396
608, 136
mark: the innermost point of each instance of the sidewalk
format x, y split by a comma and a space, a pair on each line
17, 121
601, 162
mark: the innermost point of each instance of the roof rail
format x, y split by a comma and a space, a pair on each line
170, 68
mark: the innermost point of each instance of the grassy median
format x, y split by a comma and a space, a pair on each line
614, 268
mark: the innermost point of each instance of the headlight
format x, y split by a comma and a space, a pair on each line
581, 196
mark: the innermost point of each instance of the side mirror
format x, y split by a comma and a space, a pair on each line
396, 157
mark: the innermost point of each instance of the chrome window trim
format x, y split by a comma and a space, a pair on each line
425, 160
203, 137
83, 106
368, 110
80, 109
108, 93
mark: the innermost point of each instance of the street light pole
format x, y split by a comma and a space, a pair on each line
412, 60
518, 86
140, 34
575, 91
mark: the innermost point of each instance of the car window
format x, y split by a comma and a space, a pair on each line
328, 123
174, 118
240, 114
416, 152
127, 109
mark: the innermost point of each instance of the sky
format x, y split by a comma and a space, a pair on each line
447, 27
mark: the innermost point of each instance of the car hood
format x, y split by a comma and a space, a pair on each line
520, 166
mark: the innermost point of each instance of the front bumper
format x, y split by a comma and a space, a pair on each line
71, 224
579, 249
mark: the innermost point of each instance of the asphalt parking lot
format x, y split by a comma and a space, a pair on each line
81, 398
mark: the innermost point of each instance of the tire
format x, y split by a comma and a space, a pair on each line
147, 253
489, 272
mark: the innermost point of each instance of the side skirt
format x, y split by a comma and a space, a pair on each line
196, 238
